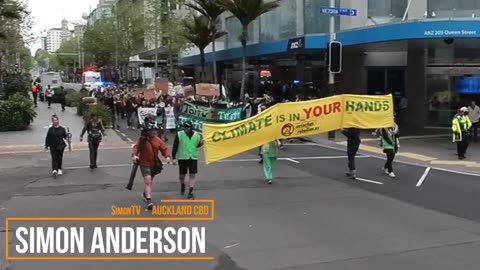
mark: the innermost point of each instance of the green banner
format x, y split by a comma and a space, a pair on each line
199, 114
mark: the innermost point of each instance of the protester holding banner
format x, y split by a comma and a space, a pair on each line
353, 143
269, 156
185, 149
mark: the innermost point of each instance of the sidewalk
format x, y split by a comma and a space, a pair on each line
33, 139
428, 150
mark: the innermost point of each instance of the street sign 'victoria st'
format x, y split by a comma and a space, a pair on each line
338, 11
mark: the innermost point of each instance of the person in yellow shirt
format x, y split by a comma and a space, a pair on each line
461, 126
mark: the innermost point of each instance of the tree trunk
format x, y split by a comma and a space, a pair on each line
244, 70
202, 63
214, 61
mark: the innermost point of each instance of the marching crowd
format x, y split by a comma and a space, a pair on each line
124, 105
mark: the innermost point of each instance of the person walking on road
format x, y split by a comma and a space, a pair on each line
185, 149
461, 126
474, 114
390, 144
55, 141
62, 98
34, 90
49, 94
96, 132
147, 157
353, 143
269, 153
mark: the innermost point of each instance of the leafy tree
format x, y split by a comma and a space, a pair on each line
162, 27
246, 12
69, 46
199, 33
26, 60
47, 61
212, 10
128, 28
99, 41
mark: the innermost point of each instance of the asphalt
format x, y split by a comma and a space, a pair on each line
312, 217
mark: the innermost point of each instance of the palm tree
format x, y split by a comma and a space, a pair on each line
199, 33
246, 12
212, 10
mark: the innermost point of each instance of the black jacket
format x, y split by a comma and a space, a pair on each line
90, 126
55, 136
352, 134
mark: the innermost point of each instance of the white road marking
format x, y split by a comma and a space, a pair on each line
129, 140
292, 160
424, 176
459, 172
369, 181
99, 166
234, 245
123, 134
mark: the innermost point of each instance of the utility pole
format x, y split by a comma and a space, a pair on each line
331, 75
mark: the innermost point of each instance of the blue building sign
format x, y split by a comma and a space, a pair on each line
338, 11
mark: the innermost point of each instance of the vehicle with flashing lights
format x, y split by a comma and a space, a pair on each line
91, 80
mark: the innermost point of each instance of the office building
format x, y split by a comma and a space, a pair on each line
425, 52
56, 36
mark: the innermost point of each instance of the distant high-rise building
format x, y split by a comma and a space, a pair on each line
56, 36
104, 9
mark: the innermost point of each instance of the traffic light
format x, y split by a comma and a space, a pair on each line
334, 57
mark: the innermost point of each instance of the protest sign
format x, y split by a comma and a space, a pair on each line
143, 112
207, 89
170, 118
296, 119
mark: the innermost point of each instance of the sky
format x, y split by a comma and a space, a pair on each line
50, 13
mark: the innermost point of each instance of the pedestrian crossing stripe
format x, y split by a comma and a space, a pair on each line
416, 156
454, 162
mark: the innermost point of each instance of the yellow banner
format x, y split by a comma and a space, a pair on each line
297, 119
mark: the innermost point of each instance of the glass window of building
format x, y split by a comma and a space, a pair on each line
314, 21
280, 23
453, 8
386, 10
234, 30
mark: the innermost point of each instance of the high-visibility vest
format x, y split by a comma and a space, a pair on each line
187, 147
34, 88
460, 124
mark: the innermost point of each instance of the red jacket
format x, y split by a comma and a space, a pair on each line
150, 151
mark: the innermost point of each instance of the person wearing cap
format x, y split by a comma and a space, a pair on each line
55, 142
148, 158
185, 150
461, 125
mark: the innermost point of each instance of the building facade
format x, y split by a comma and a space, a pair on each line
104, 9
424, 52
56, 36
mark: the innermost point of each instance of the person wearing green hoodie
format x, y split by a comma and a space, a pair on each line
269, 156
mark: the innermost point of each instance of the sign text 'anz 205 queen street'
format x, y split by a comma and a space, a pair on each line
434, 33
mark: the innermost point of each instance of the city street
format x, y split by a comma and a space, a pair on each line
312, 217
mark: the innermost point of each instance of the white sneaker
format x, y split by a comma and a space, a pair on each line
54, 172
392, 175
385, 170
60, 172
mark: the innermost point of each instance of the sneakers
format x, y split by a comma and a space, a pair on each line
270, 181
190, 196
385, 170
54, 172
59, 172
392, 175
351, 174
149, 206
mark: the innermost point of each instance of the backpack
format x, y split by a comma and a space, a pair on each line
95, 134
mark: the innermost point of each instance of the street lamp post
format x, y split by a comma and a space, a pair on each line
331, 75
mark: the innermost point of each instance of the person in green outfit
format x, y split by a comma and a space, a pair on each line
269, 156
185, 150
390, 144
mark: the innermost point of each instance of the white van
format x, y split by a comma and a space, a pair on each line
91, 80
51, 78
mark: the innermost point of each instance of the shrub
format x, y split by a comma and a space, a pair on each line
16, 113
16, 84
101, 111
73, 99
